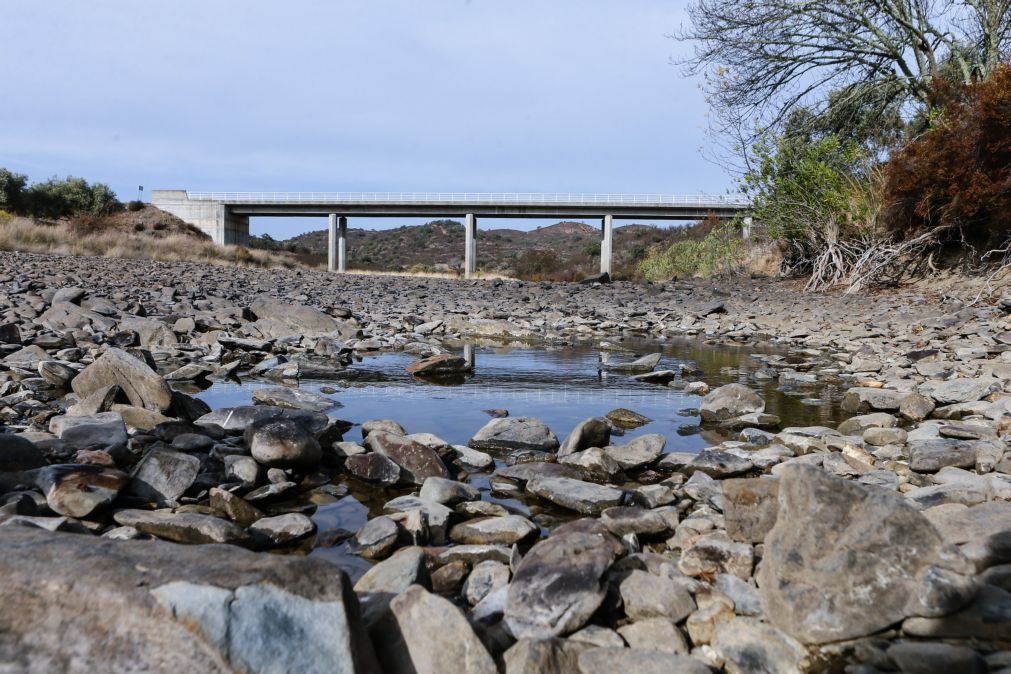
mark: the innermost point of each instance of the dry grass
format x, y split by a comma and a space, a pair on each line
23, 234
427, 274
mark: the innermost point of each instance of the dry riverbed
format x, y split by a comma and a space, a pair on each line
880, 543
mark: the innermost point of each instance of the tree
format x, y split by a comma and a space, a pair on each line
763, 59
12, 188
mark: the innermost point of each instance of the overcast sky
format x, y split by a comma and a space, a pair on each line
388, 95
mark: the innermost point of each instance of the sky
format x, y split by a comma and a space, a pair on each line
354, 95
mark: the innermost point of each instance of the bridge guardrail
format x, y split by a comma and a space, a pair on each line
475, 198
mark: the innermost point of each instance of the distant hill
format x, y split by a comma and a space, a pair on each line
563, 250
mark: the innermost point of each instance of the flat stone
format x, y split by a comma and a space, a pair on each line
163, 476
715, 553
647, 596
241, 418
930, 456
506, 530
293, 398
917, 657
515, 433
639, 453
747, 645
717, 464
183, 527
640, 661
282, 529
373, 467
624, 520
439, 366
583, 497
104, 431
447, 492
727, 402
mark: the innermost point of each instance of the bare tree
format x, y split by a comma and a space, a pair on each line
763, 59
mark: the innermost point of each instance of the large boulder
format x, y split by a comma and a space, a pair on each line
558, 584
594, 432
152, 332
845, 560
730, 401
283, 443
124, 606
277, 319
417, 462
141, 385
515, 433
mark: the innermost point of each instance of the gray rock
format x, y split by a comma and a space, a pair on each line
727, 402
506, 530
744, 594
593, 432
377, 538
392, 576
655, 634
283, 529
141, 385
241, 418
77, 491
749, 507
18, 454
715, 553
439, 366
640, 452
583, 497
644, 364
244, 469
640, 661
131, 606
862, 400
717, 464
152, 332
56, 373
101, 431
961, 390
916, 657
163, 476
752, 647
845, 560
624, 520
484, 578
417, 462
447, 492
987, 619
930, 456
283, 443
647, 596
293, 398
238, 509
275, 318
373, 467
183, 527
558, 585
432, 635
515, 433
540, 656
858, 424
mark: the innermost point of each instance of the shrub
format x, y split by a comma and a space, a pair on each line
958, 172
135, 206
720, 251
5, 217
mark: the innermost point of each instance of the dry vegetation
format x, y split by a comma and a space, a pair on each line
66, 238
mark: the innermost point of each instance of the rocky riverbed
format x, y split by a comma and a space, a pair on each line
881, 543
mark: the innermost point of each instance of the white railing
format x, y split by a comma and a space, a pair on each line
475, 198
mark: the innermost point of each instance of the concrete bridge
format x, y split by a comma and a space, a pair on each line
225, 215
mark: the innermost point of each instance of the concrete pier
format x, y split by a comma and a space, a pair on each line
470, 246
337, 247
606, 244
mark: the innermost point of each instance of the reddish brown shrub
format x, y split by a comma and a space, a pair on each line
959, 171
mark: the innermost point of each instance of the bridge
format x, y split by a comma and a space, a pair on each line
225, 215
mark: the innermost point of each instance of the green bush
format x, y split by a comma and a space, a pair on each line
721, 251
55, 198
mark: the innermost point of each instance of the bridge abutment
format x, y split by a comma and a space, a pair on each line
211, 217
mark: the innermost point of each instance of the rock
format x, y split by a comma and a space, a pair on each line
727, 402
275, 318
644, 364
747, 645
744, 594
749, 507
982, 532
858, 424
916, 407
447, 492
540, 656
241, 418
845, 560
141, 385
431, 635
78, 490
283, 443
626, 419
18, 454
506, 530
624, 520
56, 373
611, 660
879, 437
239, 510
283, 529
392, 576
648, 596
915, 657
243, 469
100, 401
717, 464
183, 527
439, 366
642, 451
862, 400
417, 462
435, 516
715, 553
282, 396
594, 463
163, 476
930, 456
139, 418
515, 433
583, 497
387, 425
377, 538
484, 578
151, 606
471, 458
373, 467
594, 432
655, 634
103, 431
987, 619
558, 585
151, 332
961, 390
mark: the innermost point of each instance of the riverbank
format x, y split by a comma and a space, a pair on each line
879, 542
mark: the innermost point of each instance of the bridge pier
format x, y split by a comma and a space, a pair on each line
470, 246
336, 258
606, 244
746, 228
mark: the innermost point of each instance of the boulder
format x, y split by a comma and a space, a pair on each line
515, 433
151, 332
282, 529
727, 402
506, 530
558, 584
845, 560
293, 398
78, 490
747, 645
241, 418
583, 497
283, 443
163, 476
439, 366
594, 432
132, 606
17, 454
749, 507
141, 385
373, 467
640, 661
276, 318
638, 453
647, 596
417, 462
644, 364
103, 431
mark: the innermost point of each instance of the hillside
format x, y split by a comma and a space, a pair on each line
563, 250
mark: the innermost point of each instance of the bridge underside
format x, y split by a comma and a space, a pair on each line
228, 223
